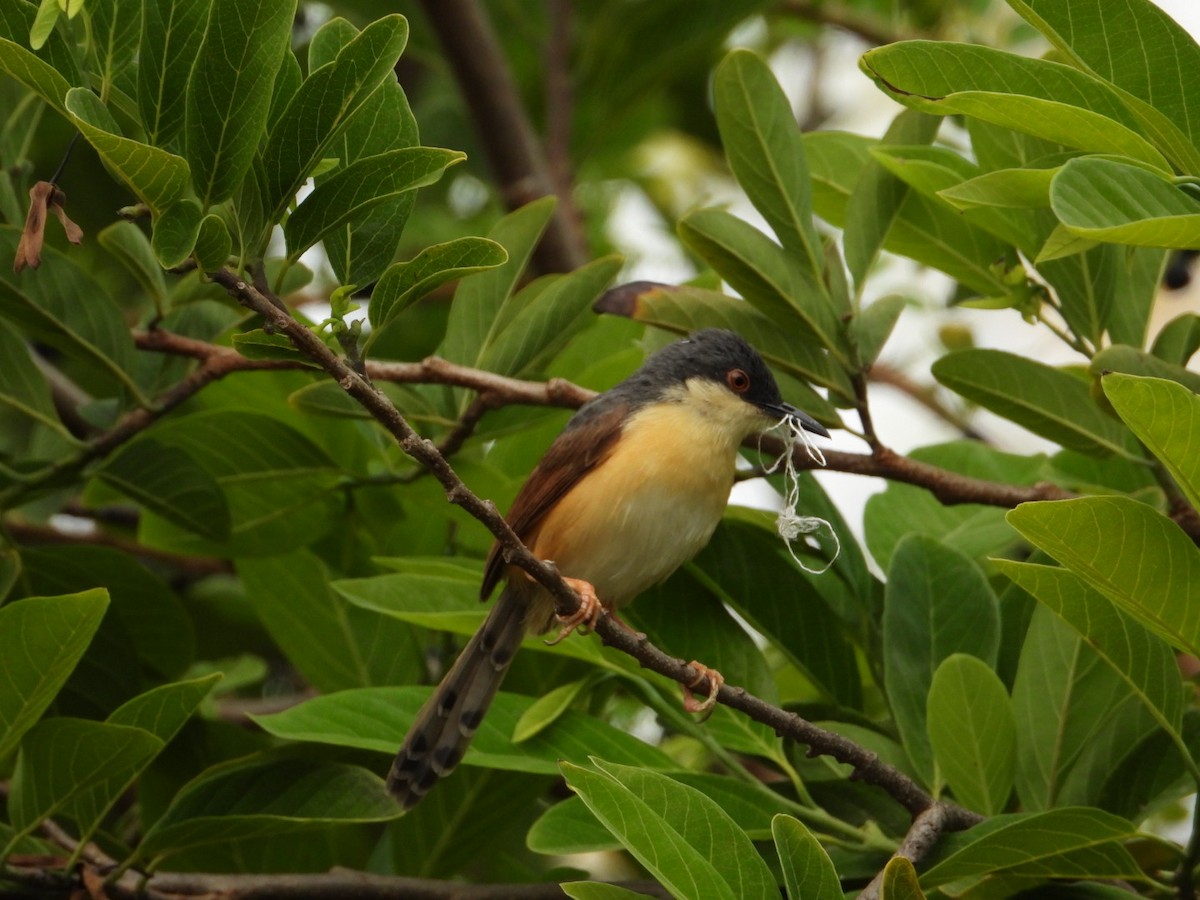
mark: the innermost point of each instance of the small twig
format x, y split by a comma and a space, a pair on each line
29, 534
922, 394
847, 19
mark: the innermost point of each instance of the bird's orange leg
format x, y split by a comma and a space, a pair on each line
586, 616
715, 681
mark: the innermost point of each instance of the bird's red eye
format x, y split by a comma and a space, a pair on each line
738, 381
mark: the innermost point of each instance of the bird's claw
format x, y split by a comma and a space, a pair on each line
715, 681
585, 618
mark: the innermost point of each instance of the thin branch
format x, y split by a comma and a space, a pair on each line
922, 394
847, 19
512, 146
927, 827
29, 534
867, 766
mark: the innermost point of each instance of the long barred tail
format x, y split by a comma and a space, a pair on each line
444, 727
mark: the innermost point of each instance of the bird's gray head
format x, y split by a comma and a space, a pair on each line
722, 358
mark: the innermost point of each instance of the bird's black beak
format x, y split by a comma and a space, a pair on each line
807, 422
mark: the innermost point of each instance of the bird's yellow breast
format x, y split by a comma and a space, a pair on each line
655, 501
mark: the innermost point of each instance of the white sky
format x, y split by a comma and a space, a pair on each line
1185, 12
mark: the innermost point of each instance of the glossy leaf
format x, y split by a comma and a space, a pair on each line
900, 881
76, 767
1106, 200
937, 603
324, 105
543, 327
1166, 418
764, 273
972, 732
175, 233
378, 718
282, 797
406, 282
1140, 658
358, 188
1047, 401
213, 244
878, 196
129, 244
1041, 844
1006, 188
229, 92
766, 153
1135, 556
172, 31
332, 643
156, 176
1016, 92
547, 708
34, 72
1143, 52
41, 640
169, 481
808, 873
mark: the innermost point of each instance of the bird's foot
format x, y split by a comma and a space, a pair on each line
715, 681
584, 618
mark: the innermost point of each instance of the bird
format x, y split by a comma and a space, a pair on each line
633, 487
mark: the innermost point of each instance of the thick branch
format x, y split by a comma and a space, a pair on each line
503, 125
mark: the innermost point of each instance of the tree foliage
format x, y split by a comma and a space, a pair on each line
211, 676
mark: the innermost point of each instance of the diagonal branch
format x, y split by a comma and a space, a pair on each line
867, 766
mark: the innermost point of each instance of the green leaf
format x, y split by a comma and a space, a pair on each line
229, 92
41, 640
156, 176
258, 344
661, 834
406, 282
870, 329
288, 796
764, 273
172, 31
598, 890
75, 767
1140, 658
1047, 401
129, 245
164, 710
213, 244
1021, 93
470, 328
48, 305
1005, 188
43, 24
175, 233
333, 644
35, 73
937, 603
542, 328
1040, 844
1135, 556
900, 881
276, 482
169, 481
925, 230
1106, 200
972, 732
115, 29
765, 151
1178, 340
878, 196
1137, 47
23, 388
1166, 418
324, 105
808, 872
547, 708
745, 565
358, 188
378, 718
